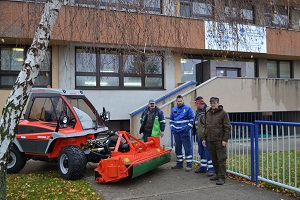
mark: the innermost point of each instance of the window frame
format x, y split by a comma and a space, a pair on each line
278, 68
270, 15
133, 6
237, 8
15, 73
120, 74
190, 5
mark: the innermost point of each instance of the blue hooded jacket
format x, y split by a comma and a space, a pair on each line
181, 119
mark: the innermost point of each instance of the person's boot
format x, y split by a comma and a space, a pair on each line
214, 178
176, 167
210, 174
188, 169
221, 181
200, 170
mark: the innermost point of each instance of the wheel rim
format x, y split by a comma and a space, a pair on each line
12, 160
63, 164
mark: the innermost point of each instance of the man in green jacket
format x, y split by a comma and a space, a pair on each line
217, 132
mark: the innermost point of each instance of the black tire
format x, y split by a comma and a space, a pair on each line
16, 160
72, 163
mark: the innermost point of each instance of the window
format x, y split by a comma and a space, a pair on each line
12, 59
87, 3
228, 72
151, 6
276, 15
279, 69
115, 69
196, 8
49, 109
240, 11
145, 6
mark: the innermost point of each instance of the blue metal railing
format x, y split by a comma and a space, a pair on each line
241, 133
277, 147
273, 147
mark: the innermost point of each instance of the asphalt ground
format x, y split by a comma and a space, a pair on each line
167, 184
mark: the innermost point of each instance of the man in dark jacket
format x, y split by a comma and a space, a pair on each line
217, 132
152, 121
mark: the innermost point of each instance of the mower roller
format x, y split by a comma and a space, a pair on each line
129, 157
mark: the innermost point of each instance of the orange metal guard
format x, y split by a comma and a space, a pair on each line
131, 158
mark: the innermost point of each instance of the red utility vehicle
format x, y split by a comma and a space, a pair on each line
58, 125
63, 126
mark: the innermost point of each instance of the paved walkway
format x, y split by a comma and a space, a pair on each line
163, 183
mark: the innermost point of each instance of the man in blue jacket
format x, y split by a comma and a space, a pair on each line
181, 122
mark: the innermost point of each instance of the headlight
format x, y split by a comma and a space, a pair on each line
64, 120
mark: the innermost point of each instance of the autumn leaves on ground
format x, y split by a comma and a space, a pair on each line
47, 185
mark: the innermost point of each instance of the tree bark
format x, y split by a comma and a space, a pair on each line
18, 96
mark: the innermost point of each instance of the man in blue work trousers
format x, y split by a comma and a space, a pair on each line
181, 122
198, 130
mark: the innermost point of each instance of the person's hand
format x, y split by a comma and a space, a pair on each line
161, 134
204, 143
224, 143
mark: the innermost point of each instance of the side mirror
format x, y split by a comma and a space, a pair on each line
105, 115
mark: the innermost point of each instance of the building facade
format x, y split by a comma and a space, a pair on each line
123, 53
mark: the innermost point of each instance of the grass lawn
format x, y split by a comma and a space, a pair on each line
47, 185
281, 166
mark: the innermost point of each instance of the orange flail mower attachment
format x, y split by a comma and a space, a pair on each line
131, 158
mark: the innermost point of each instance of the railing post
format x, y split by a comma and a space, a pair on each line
252, 137
256, 152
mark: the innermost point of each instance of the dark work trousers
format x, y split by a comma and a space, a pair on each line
146, 135
219, 155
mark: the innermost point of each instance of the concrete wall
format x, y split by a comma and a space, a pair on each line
243, 95
252, 95
3, 98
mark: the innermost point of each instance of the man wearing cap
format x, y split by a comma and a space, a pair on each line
216, 134
181, 122
152, 121
198, 130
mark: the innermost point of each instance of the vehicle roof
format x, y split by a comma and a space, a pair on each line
56, 91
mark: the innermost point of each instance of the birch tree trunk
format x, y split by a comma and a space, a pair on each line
18, 96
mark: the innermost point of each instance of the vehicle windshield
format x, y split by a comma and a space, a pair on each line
86, 113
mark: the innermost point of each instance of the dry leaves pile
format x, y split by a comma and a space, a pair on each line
266, 186
47, 185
